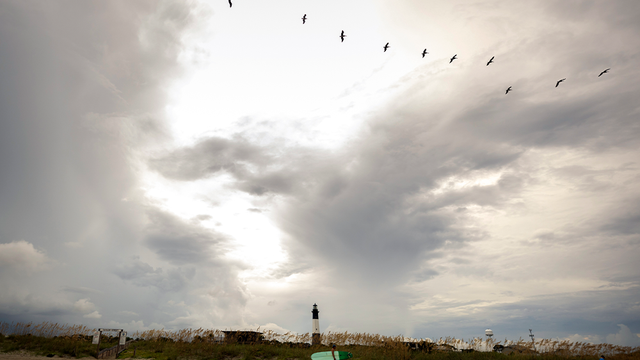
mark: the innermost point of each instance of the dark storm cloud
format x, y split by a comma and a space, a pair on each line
358, 210
620, 221
550, 316
377, 212
388, 215
193, 260
80, 290
17, 307
63, 123
180, 243
403, 191
80, 88
82, 92
381, 217
209, 157
425, 275
259, 169
584, 121
604, 307
491, 133
367, 212
625, 220
144, 275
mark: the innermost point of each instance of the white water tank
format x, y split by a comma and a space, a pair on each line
488, 332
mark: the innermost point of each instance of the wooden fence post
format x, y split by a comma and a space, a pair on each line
99, 338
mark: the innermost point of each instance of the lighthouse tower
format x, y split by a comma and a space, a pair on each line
315, 337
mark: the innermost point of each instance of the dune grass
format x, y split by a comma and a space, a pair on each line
68, 346
203, 344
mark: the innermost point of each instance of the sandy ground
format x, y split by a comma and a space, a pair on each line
25, 355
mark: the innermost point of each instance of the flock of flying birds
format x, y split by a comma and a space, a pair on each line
424, 52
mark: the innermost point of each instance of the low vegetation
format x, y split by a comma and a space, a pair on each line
68, 346
201, 344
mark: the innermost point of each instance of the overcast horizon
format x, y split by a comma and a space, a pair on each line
178, 164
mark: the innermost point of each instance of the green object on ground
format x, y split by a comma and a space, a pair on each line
326, 355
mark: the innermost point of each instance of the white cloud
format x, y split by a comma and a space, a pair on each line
270, 327
22, 256
593, 339
135, 325
84, 306
93, 315
624, 337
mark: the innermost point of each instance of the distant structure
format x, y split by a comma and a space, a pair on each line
243, 337
489, 333
315, 337
533, 342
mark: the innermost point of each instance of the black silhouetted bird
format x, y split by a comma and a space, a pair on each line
230, 4
453, 58
342, 36
304, 18
604, 71
386, 46
490, 60
424, 52
508, 89
559, 81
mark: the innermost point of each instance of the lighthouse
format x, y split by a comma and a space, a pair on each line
315, 337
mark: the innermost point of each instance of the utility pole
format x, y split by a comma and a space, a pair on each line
532, 340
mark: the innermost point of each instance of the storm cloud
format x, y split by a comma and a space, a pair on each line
145, 148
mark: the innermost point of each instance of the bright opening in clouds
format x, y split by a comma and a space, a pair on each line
186, 164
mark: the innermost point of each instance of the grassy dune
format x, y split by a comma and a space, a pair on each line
200, 344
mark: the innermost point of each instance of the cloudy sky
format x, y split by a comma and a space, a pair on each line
189, 164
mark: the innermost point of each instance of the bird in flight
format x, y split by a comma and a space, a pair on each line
559, 81
490, 61
508, 89
304, 18
342, 36
424, 52
386, 47
230, 3
453, 58
604, 71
